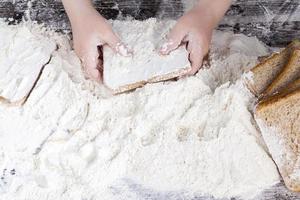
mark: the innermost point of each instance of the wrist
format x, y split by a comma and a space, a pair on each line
212, 10
205, 17
77, 9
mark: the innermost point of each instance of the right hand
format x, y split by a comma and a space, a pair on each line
91, 31
195, 29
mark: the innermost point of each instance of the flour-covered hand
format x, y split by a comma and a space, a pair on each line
91, 31
195, 30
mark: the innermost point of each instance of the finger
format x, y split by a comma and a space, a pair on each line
196, 57
175, 38
196, 62
90, 64
100, 61
123, 50
114, 42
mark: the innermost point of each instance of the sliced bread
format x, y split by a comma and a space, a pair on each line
122, 74
289, 74
18, 90
23, 56
127, 76
289, 88
262, 75
279, 120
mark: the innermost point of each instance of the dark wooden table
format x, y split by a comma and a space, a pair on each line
276, 22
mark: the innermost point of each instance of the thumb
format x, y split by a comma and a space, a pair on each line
90, 63
114, 42
196, 62
195, 56
174, 40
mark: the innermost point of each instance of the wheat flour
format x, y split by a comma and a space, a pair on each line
193, 137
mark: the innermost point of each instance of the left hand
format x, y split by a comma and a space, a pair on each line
195, 29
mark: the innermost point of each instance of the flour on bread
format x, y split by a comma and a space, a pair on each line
23, 54
146, 64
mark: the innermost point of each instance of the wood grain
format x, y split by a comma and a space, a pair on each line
275, 22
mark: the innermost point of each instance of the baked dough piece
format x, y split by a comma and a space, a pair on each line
279, 120
23, 54
290, 73
122, 74
263, 74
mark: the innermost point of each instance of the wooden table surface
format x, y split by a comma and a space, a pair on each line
275, 22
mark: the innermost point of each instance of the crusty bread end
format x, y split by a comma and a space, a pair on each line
279, 119
290, 73
130, 87
266, 71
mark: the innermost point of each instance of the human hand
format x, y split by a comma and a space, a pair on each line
91, 31
195, 30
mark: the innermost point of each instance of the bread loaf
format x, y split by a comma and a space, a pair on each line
23, 55
279, 120
266, 71
289, 74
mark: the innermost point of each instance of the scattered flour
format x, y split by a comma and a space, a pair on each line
276, 144
23, 54
193, 137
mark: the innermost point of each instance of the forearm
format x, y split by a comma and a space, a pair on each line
213, 9
75, 8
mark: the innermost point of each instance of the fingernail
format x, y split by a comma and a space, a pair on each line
124, 50
193, 71
165, 47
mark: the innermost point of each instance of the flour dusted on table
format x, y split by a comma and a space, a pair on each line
193, 137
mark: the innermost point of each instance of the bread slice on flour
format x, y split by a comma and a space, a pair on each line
23, 54
279, 120
262, 75
289, 74
122, 74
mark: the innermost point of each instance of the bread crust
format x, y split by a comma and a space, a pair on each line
290, 71
16, 103
24, 99
287, 133
292, 89
165, 77
282, 57
271, 111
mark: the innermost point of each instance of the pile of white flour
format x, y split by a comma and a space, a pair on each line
193, 137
